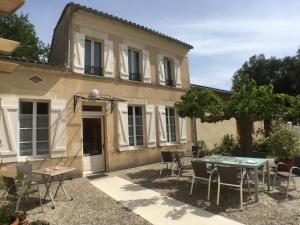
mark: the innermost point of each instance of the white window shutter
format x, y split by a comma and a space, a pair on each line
108, 58
124, 73
182, 130
162, 129
123, 126
58, 129
177, 73
151, 129
78, 53
161, 69
9, 139
146, 66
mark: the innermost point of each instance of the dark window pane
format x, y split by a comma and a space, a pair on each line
138, 111
26, 107
42, 108
25, 135
130, 110
133, 65
42, 121
42, 148
97, 54
87, 57
42, 135
26, 121
131, 141
25, 149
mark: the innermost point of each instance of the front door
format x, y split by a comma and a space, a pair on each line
93, 151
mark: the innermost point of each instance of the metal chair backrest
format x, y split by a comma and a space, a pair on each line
178, 159
25, 170
228, 175
167, 157
200, 169
10, 185
297, 164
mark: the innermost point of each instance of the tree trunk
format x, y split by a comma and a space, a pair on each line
267, 127
194, 124
245, 128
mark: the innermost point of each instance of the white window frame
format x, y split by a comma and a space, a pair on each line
168, 126
133, 147
34, 131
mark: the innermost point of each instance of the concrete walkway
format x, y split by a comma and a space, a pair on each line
156, 208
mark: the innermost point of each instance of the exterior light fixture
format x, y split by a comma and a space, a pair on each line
94, 93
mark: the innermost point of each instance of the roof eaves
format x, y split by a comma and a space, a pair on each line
120, 20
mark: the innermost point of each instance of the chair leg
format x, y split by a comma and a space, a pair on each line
179, 172
248, 183
172, 170
218, 194
208, 191
263, 174
18, 203
274, 180
294, 183
192, 185
288, 186
241, 195
160, 171
40, 198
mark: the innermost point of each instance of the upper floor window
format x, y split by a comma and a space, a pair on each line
93, 59
171, 125
134, 65
34, 128
135, 126
168, 71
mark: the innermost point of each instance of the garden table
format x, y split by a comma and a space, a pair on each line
242, 162
48, 174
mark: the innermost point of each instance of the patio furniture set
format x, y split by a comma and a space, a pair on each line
25, 184
230, 171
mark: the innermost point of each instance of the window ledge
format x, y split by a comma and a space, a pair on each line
134, 148
172, 144
33, 159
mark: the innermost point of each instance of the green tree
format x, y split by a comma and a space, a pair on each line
18, 28
249, 102
202, 104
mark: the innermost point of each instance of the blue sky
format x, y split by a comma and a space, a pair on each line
224, 33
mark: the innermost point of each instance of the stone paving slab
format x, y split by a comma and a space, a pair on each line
156, 208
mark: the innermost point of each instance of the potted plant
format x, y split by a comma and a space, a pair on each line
284, 145
23, 218
7, 216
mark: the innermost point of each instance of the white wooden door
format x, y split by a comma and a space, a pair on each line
93, 145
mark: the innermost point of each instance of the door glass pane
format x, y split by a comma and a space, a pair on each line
87, 57
97, 58
42, 109
25, 120
25, 149
42, 148
26, 107
92, 143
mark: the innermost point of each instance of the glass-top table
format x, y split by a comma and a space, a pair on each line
243, 162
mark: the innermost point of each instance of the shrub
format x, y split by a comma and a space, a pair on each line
229, 143
262, 145
284, 143
202, 146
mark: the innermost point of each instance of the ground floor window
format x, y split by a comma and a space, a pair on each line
135, 126
34, 128
171, 125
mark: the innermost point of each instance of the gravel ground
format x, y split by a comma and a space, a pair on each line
273, 208
90, 206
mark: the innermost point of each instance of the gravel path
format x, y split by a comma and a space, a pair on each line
89, 207
273, 208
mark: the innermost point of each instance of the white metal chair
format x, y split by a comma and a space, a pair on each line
294, 171
201, 172
233, 177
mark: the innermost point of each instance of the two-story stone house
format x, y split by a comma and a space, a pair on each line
109, 105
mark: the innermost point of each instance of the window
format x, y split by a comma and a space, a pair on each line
168, 71
133, 65
171, 125
34, 128
92, 59
135, 126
